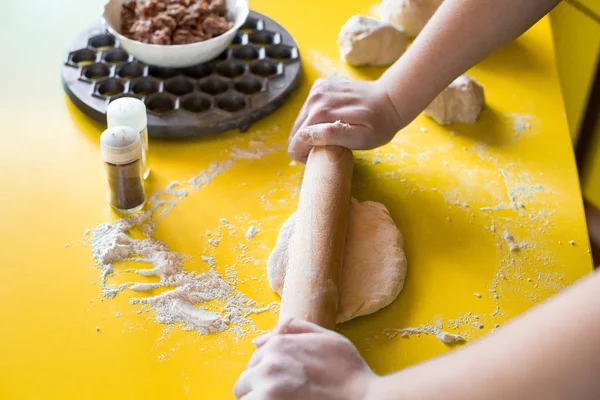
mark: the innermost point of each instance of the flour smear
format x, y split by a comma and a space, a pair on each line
204, 302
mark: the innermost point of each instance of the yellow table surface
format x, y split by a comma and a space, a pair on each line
454, 191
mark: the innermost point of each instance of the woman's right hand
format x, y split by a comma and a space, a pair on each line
358, 115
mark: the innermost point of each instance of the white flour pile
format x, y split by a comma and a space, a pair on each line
204, 302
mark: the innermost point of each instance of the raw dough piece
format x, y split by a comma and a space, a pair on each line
462, 101
366, 41
374, 263
410, 15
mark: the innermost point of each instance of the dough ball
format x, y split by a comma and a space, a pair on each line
374, 263
367, 41
410, 15
462, 101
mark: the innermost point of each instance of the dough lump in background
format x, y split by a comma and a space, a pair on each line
374, 263
367, 41
461, 101
410, 15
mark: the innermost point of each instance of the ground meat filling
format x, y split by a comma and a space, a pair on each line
174, 21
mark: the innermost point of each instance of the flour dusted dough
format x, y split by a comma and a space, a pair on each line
410, 15
462, 101
374, 263
367, 41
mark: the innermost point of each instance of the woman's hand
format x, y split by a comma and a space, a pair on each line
300, 360
357, 115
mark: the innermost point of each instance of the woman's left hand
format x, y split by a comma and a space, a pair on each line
300, 360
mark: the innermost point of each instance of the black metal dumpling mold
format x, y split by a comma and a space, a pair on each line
252, 78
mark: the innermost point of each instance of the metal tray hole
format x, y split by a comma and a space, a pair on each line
131, 70
264, 68
83, 57
238, 39
160, 103
230, 69
144, 87
162, 73
214, 86
96, 71
223, 55
280, 52
232, 103
198, 71
196, 104
179, 86
111, 87
102, 42
250, 25
116, 56
262, 37
245, 53
248, 86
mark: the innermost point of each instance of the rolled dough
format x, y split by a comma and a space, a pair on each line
374, 265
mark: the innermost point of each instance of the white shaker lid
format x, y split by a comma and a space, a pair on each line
127, 111
120, 145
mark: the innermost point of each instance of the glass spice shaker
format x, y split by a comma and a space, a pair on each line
131, 112
121, 149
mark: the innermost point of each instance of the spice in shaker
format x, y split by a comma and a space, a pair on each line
121, 150
131, 112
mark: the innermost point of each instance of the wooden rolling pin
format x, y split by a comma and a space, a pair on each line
316, 249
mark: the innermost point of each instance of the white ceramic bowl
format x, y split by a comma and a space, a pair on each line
181, 55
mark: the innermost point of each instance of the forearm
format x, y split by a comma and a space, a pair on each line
551, 352
460, 34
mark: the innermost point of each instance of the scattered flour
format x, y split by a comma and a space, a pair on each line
142, 287
443, 336
210, 261
512, 243
204, 302
521, 122
251, 232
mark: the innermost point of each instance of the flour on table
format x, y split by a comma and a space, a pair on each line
511, 241
251, 232
521, 122
188, 298
142, 287
442, 336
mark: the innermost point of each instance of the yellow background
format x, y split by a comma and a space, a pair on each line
434, 180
